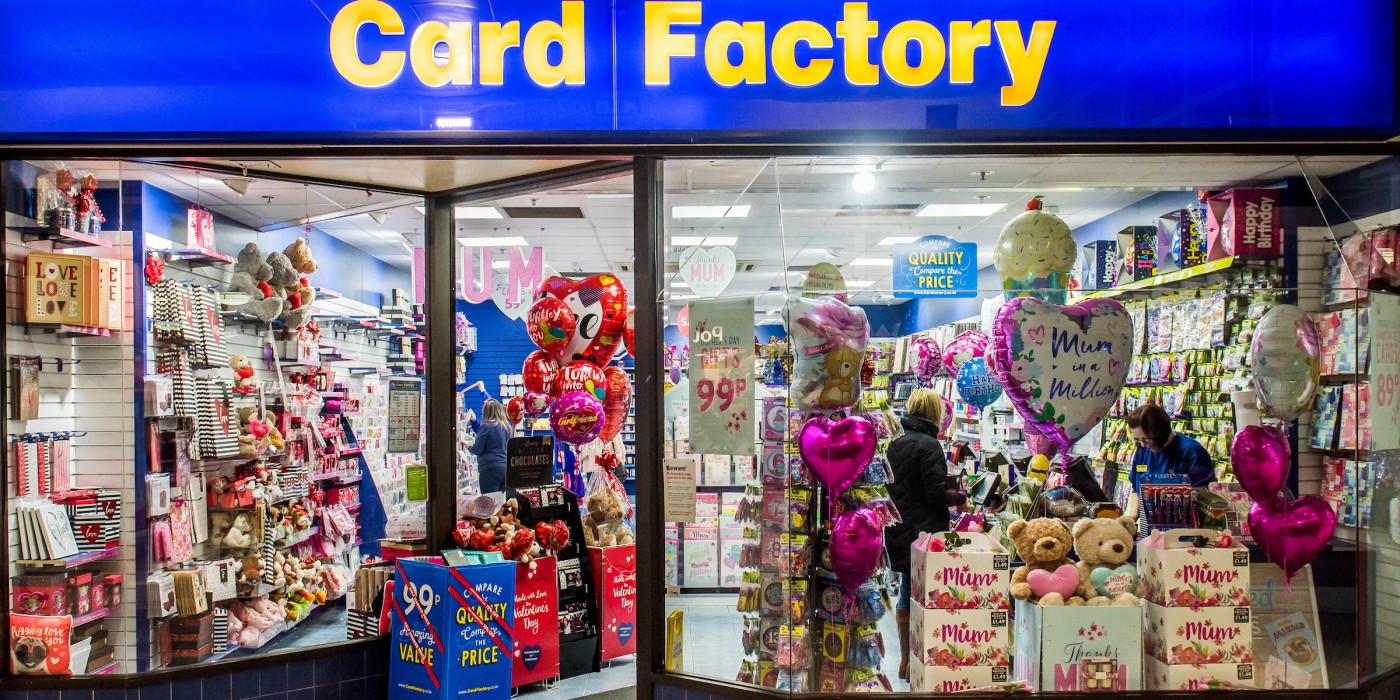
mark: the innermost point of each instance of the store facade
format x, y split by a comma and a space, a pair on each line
773, 125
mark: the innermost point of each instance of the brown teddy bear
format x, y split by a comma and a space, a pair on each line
1103, 546
843, 373
1048, 576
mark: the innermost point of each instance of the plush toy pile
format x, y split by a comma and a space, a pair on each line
277, 286
603, 523
1049, 577
505, 533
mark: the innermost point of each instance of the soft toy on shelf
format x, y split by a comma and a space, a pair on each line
240, 532
286, 282
244, 380
1104, 546
250, 276
1048, 577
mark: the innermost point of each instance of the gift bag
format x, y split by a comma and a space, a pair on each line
221, 579
217, 434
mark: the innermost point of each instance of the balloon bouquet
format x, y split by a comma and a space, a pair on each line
838, 447
1291, 531
578, 326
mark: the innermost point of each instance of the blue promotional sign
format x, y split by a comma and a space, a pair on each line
935, 266
450, 631
636, 69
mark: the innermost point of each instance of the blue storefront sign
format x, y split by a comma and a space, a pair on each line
935, 266
588, 70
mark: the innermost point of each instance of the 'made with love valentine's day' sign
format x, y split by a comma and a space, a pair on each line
722, 377
536, 629
615, 573
1062, 366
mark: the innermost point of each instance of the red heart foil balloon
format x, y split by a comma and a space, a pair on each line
855, 548
551, 325
837, 452
541, 372
1292, 533
599, 304
615, 404
1260, 458
516, 408
582, 376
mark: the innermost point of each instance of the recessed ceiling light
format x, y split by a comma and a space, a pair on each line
863, 182
493, 241
687, 241
721, 211
477, 213
859, 284
871, 262
500, 264
964, 210
896, 240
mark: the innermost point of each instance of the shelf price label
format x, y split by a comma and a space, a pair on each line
1385, 371
721, 377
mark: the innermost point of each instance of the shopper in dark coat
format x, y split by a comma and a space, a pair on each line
919, 492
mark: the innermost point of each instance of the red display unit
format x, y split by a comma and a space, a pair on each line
615, 573
536, 629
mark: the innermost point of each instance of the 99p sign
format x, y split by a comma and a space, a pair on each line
1385, 372
721, 377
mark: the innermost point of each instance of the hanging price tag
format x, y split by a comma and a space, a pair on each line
1385, 371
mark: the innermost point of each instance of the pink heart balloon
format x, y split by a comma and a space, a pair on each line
855, 547
1261, 459
1292, 533
1063, 580
837, 452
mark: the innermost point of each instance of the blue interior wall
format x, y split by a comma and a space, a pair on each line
501, 346
1141, 213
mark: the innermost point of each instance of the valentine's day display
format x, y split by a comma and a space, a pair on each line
1035, 253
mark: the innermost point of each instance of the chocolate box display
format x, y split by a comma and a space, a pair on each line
1176, 573
975, 574
1059, 648
39, 594
1211, 635
951, 637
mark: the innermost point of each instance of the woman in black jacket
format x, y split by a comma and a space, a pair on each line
919, 492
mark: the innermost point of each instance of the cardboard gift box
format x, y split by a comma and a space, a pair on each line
1062, 648
1175, 573
1100, 269
1244, 224
1164, 676
1138, 247
976, 574
959, 637
941, 679
1198, 635
1181, 242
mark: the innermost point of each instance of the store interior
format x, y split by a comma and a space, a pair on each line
279, 296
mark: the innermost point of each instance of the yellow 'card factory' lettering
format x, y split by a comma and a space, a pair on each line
869, 51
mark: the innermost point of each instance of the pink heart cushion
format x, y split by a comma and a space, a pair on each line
1063, 580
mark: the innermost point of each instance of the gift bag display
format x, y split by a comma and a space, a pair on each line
173, 363
172, 313
217, 434
211, 349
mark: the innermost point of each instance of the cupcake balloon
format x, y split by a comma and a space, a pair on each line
1034, 255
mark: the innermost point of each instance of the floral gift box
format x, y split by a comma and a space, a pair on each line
959, 570
1177, 571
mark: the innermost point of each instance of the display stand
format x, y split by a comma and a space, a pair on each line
578, 602
536, 629
615, 577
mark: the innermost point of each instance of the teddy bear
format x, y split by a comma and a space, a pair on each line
250, 276
1048, 576
240, 532
285, 281
843, 370
299, 254
1103, 546
247, 443
604, 524
244, 381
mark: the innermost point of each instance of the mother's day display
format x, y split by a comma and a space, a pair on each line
1062, 366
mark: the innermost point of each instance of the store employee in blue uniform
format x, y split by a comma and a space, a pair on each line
1162, 450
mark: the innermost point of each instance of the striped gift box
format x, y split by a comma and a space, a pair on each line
211, 348
220, 630
217, 435
360, 624
96, 522
172, 362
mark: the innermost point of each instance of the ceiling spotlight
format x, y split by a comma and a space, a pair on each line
379, 216
863, 182
238, 184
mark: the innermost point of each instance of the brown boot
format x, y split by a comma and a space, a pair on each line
902, 620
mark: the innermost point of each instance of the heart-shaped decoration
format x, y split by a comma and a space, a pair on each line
837, 452
1261, 459
1063, 580
500, 293
1065, 383
624, 633
599, 304
91, 532
31, 602
855, 548
707, 271
1111, 582
1292, 533
530, 656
